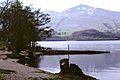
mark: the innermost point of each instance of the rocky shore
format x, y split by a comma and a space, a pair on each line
11, 70
18, 71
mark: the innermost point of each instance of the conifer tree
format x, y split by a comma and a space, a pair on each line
21, 26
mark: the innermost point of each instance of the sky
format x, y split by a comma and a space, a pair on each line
61, 5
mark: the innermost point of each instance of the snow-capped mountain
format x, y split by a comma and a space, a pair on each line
81, 8
83, 17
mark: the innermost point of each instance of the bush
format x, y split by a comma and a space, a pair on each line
15, 56
2, 77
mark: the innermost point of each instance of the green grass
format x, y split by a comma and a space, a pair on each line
2, 44
2, 77
3, 72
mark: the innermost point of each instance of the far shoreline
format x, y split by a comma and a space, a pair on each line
78, 40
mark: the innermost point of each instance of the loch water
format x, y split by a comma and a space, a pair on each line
101, 66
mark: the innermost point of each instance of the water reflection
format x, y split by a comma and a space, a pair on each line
86, 62
102, 66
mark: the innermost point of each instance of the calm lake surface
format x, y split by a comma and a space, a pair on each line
101, 66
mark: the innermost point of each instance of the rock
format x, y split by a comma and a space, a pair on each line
2, 56
73, 71
64, 66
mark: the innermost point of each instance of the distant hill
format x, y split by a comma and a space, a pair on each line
93, 34
83, 17
90, 34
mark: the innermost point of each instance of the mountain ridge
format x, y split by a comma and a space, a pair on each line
84, 17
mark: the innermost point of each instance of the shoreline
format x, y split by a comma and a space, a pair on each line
71, 52
19, 71
11, 70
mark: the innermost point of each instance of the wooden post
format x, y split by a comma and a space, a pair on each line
68, 52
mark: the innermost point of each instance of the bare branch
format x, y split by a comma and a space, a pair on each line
3, 6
